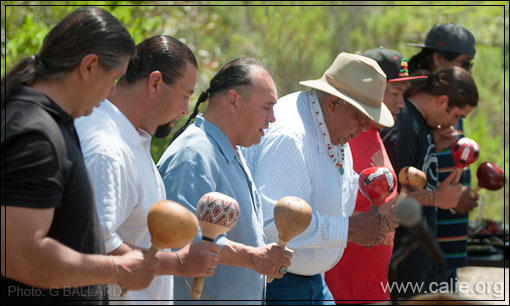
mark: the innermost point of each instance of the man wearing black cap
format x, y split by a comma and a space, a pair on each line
360, 272
446, 45
449, 45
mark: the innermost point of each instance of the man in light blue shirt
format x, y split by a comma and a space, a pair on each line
206, 158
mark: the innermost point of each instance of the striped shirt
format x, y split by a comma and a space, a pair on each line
452, 228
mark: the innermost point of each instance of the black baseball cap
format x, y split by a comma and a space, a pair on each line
392, 63
449, 37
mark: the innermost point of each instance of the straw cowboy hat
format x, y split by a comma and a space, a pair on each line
359, 81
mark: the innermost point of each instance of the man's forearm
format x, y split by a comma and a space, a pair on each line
425, 197
237, 255
168, 262
49, 264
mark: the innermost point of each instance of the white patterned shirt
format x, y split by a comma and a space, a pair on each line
292, 160
126, 184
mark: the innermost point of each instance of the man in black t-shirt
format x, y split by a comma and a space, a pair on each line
52, 248
43, 172
447, 95
43, 169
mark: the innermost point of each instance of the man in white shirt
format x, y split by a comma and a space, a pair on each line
116, 139
305, 153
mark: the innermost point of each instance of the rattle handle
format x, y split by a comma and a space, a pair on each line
198, 282
196, 289
153, 250
477, 189
457, 175
282, 245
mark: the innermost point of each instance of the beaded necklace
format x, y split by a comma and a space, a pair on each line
334, 159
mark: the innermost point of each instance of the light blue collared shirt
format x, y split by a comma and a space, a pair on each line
203, 160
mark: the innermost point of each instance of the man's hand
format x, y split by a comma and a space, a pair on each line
443, 137
200, 258
267, 258
387, 210
447, 194
136, 269
369, 229
468, 200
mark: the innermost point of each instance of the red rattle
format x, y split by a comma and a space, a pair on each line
376, 183
490, 176
465, 151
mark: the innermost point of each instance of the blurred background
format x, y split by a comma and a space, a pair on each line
298, 41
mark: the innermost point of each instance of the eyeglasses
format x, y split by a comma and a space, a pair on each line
467, 65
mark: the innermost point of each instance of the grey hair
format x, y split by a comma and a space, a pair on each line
321, 95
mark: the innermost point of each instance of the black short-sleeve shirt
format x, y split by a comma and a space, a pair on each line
43, 167
409, 143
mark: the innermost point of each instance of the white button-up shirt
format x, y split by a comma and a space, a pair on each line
292, 160
126, 184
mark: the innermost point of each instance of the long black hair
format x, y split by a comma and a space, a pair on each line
234, 75
164, 54
88, 30
424, 60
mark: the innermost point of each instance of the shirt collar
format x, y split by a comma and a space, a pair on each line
29, 94
218, 136
126, 129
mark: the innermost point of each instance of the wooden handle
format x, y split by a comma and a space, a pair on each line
198, 282
403, 194
477, 189
374, 208
282, 244
153, 250
458, 175
196, 289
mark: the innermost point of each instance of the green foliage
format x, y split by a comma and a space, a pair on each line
299, 43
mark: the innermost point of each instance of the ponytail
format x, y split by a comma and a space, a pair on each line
422, 60
87, 30
425, 59
203, 97
235, 74
23, 73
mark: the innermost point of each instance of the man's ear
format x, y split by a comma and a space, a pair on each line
442, 101
154, 83
438, 59
332, 103
88, 66
233, 100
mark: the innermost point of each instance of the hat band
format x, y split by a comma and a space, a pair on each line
351, 93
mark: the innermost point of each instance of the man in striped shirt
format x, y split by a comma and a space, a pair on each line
449, 45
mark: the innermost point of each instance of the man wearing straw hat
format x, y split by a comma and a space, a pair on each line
357, 277
305, 153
